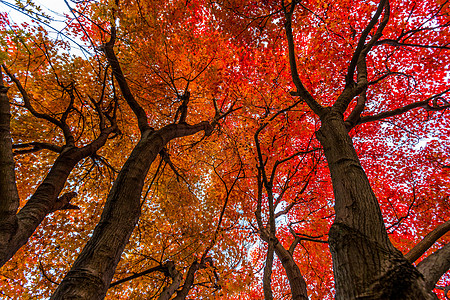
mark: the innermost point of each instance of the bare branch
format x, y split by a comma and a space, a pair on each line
139, 112
361, 43
301, 90
189, 281
41, 268
166, 157
293, 203
137, 275
428, 241
298, 237
26, 99
430, 104
35, 147
400, 44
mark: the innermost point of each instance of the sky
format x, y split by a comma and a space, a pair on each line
55, 9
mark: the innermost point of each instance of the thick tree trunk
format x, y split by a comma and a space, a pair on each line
91, 274
94, 268
366, 265
9, 201
295, 278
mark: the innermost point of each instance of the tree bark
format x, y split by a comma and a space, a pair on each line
366, 265
176, 280
267, 277
434, 266
295, 278
91, 274
188, 282
16, 228
45, 198
9, 201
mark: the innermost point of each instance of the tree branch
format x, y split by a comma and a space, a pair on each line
301, 90
27, 104
434, 106
361, 44
428, 241
358, 61
355, 115
171, 271
400, 44
63, 202
189, 281
434, 266
139, 112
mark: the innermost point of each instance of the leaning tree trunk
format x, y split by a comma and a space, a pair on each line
366, 265
296, 281
94, 268
9, 195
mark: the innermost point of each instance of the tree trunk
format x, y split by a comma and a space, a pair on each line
267, 277
40, 204
434, 266
9, 201
44, 200
91, 274
295, 278
366, 265
94, 268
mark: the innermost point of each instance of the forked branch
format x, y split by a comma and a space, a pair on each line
361, 46
301, 90
358, 61
27, 104
139, 112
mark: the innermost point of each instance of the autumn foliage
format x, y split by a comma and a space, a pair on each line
226, 150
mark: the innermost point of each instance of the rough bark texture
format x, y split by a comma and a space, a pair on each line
9, 201
295, 278
434, 266
189, 281
267, 278
40, 204
176, 280
366, 265
45, 198
94, 268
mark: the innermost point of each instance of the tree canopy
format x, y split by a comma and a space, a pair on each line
225, 150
